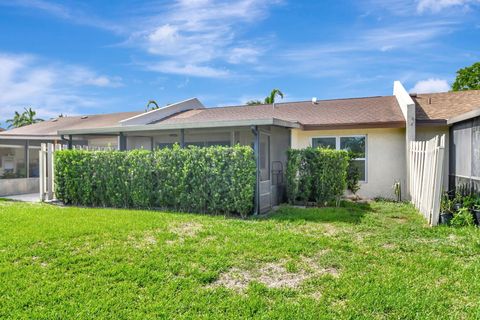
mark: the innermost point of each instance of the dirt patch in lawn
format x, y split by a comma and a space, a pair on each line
143, 241
274, 275
185, 230
316, 230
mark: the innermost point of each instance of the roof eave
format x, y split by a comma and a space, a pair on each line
430, 122
466, 116
28, 137
364, 125
189, 125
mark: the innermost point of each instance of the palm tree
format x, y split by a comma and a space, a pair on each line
148, 108
17, 121
30, 116
23, 119
271, 99
268, 100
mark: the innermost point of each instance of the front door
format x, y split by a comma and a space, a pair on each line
265, 195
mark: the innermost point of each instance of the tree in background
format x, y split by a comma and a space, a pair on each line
268, 100
272, 97
23, 119
155, 105
468, 78
254, 102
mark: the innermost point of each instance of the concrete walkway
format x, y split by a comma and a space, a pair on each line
31, 197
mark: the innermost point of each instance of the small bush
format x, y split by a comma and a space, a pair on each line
353, 174
206, 180
462, 218
317, 175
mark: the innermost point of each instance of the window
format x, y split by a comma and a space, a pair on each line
356, 144
328, 143
12, 162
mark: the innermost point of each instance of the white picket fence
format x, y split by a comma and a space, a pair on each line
47, 169
426, 165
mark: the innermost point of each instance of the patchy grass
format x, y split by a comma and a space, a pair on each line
362, 261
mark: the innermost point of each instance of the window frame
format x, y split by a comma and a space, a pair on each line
337, 147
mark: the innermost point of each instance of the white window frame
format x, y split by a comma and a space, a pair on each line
337, 147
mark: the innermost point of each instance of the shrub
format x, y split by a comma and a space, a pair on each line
462, 218
207, 180
315, 174
353, 174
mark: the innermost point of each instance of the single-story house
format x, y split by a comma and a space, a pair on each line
377, 128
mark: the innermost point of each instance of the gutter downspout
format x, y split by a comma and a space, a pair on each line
256, 145
182, 138
69, 141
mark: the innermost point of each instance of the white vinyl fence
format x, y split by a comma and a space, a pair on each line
47, 170
426, 165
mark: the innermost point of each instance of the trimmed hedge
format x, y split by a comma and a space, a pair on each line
316, 175
218, 180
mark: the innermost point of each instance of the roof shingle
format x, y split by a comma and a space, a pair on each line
445, 105
340, 112
51, 127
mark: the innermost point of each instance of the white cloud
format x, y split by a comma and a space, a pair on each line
81, 76
194, 37
436, 6
243, 55
60, 11
430, 86
194, 70
49, 88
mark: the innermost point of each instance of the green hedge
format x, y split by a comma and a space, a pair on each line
218, 180
316, 175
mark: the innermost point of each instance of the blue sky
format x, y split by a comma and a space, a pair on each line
105, 56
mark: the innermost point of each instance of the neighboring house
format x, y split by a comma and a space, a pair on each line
465, 150
19, 148
377, 128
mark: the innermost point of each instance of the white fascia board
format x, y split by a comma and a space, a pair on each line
162, 113
189, 125
466, 116
403, 97
29, 137
407, 105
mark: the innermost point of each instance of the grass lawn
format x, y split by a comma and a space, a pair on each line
371, 261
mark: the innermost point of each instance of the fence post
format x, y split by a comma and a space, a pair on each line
50, 171
41, 164
439, 182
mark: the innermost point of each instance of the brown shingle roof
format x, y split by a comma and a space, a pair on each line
445, 105
340, 113
51, 127
366, 112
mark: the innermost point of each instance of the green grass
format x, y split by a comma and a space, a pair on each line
372, 261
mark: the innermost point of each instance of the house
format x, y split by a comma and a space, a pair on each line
377, 128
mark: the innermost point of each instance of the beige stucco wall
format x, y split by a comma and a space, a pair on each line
427, 133
386, 158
